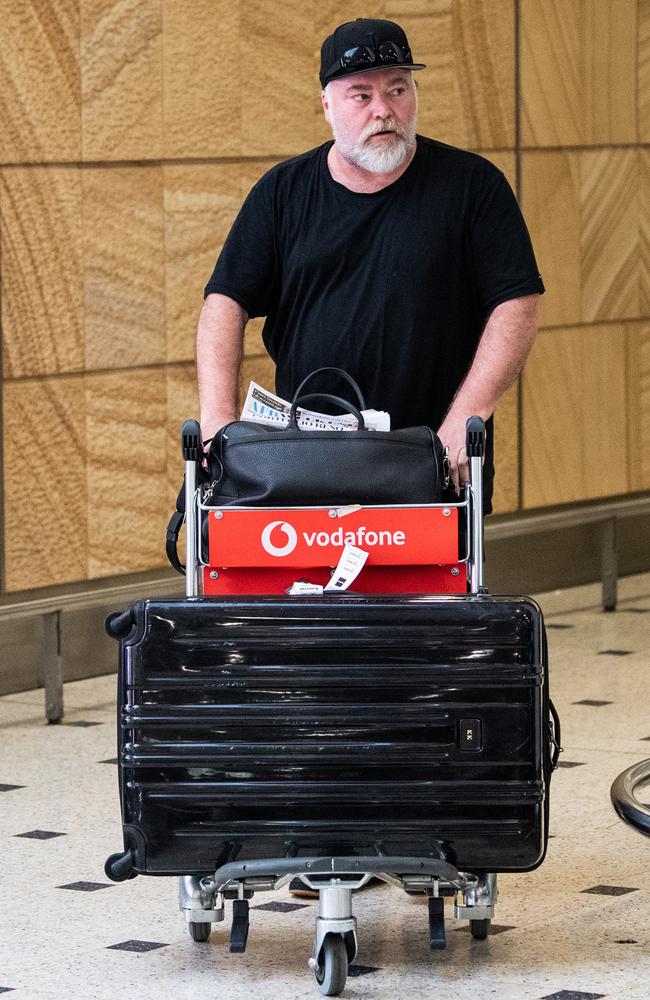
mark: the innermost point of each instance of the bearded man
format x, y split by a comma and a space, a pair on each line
398, 258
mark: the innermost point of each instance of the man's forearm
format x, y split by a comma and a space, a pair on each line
219, 348
503, 348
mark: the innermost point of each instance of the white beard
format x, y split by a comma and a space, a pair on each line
381, 157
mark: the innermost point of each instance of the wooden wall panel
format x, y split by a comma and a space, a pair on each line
45, 511
281, 110
574, 416
201, 203
204, 78
644, 226
467, 92
551, 205
121, 79
611, 234
126, 471
124, 267
584, 213
40, 102
578, 72
40, 250
643, 71
638, 410
182, 404
506, 453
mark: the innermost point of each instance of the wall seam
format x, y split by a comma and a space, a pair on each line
518, 184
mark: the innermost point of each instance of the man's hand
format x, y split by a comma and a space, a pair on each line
452, 434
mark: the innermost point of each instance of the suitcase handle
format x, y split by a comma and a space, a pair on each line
475, 448
192, 450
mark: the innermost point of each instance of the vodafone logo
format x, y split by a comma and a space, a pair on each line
279, 550
360, 536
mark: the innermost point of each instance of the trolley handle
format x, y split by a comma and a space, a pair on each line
475, 448
192, 450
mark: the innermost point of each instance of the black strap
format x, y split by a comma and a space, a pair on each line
555, 734
324, 397
171, 540
337, 371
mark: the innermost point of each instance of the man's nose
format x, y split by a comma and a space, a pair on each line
380, 108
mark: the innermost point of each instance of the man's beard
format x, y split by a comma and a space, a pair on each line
381, 156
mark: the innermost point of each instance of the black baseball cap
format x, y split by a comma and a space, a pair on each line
363, 45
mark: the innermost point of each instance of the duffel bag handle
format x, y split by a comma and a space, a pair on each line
337, 371
324, 397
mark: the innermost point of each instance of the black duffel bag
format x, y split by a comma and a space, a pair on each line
254, 465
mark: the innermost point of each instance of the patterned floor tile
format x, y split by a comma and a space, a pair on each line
140, 946
41, 834
361, 970
592, 702
610, 890
86, 886
572, 995
280, 907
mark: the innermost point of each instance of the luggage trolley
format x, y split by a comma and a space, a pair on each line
404, 732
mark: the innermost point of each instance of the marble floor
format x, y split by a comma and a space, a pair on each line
578, 927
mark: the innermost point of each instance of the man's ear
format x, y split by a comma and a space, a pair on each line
326, 106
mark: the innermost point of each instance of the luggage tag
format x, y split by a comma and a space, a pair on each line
349, 566
347, 570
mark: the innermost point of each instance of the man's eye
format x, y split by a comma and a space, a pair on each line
360, 98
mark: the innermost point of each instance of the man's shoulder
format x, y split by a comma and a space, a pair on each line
294, 169
454, 156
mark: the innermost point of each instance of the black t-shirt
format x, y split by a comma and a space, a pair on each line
394, 287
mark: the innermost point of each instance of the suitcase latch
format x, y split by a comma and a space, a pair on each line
470, 734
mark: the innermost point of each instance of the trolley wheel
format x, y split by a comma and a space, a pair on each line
199, 931
332, 970
479, 929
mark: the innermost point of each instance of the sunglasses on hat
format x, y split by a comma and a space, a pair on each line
369, 56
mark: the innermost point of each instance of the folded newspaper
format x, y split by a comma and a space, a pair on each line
266, 408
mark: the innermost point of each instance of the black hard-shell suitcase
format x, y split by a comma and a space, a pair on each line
333, 738
349, 725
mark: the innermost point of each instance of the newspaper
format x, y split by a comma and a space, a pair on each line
265, 407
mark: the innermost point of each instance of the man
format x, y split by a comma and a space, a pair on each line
402, 260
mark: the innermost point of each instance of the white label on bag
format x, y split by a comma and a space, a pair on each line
302, 587
349, 566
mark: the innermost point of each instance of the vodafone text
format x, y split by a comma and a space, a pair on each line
284, 533
359, 537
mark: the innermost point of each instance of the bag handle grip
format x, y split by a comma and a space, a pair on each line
338, 371
324, 397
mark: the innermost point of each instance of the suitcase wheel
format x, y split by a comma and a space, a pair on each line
479, 929
119, 867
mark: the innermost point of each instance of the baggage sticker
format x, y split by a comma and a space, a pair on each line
349, 566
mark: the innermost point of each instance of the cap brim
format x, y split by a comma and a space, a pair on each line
372, 69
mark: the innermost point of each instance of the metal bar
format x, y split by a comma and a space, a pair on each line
53, 667
191, 547
609, 564
559, 519
624, 799
476, 479
90, 598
